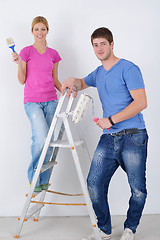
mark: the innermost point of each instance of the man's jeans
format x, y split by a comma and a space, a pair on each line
40, 116
130, 152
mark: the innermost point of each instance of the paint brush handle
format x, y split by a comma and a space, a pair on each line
12, 47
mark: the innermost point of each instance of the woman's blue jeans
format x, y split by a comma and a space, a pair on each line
130, 152
40, 116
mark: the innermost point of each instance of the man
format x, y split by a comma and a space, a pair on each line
121, 90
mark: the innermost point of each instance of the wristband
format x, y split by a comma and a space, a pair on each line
110, 119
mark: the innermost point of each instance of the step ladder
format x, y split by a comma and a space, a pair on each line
33, 208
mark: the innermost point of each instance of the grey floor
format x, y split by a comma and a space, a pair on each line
74, 228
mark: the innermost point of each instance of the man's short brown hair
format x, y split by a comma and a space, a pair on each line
102, 33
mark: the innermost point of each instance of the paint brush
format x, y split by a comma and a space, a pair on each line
10, 43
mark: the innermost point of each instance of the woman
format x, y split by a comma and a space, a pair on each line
38, 70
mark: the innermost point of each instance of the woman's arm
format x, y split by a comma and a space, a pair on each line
21, 67
57, 83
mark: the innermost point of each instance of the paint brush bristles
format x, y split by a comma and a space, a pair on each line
10, 43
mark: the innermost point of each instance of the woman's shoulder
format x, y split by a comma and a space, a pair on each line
52, 50
26, 49
25, 53
54, 54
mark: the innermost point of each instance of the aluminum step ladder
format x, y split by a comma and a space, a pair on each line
33, 208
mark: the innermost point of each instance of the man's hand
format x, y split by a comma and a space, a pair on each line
104, 123
70, 84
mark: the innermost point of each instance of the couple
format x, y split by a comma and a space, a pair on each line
122, 93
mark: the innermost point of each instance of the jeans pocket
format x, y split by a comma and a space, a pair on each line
140, 138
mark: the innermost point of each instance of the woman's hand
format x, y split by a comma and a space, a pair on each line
16, 58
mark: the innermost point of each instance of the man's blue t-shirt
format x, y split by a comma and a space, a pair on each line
113, 87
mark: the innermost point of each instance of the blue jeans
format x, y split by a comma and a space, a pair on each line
130, 152
40, 116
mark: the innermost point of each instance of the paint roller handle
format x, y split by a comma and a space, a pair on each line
96, 119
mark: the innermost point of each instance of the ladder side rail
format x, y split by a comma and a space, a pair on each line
33, 210
81, 178
56, 149
45, 147
55, 152
70, 102
40, 164
41, 199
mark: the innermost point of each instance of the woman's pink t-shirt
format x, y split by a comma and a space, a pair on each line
39, 85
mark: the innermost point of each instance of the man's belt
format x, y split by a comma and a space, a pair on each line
125, 131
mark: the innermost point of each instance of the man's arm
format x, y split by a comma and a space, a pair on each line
71, 83
139, 103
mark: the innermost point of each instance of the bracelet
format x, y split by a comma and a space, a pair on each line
110, 119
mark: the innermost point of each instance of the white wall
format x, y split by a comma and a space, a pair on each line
135, 25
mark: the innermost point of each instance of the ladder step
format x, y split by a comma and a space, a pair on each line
64, 143
33, 210
47, 166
